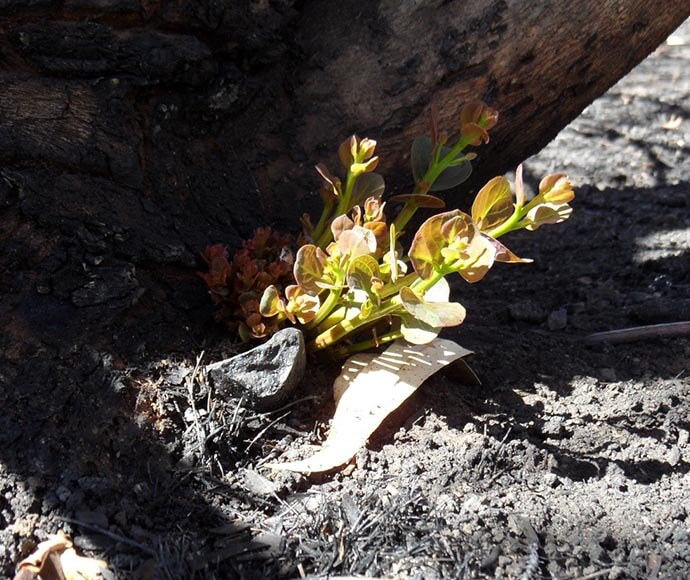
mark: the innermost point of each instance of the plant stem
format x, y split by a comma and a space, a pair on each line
326, 307
432, 174
323, 221
374, 342
344, 205
345, 327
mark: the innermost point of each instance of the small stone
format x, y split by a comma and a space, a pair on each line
558, 319
608, 375
674, 457
527, 311
257, 484
267, 374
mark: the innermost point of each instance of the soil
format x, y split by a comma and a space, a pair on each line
570, 460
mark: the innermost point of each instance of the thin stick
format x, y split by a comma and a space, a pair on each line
641, 332
111, 535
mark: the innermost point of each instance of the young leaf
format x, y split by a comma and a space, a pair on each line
271, 302
415, 331
493, 204
356, 242
368, 185
420, 157
434, 314
378, 386
425, 251
420, 200
310, 264
341, 224
362, 275
503, 254
547, 213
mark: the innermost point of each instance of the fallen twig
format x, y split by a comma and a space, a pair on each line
109, 534
641, 332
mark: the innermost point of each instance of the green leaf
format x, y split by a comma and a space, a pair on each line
420, 157
367, 185
433, 314
309, 269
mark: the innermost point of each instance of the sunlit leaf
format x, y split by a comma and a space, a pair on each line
271, 302
434, 314
493, 205
556, 188
341, 224
415, 331
301, 306
309, 267
356, 242
505, 255
371, 388
519, 187
483, 256
362, 272
347, 150
420, 200
547, 213
420, 157
425, 251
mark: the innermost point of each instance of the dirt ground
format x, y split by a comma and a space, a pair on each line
571, 460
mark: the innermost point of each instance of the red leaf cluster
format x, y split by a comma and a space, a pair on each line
236, 284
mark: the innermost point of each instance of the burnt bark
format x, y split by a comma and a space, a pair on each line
134, 133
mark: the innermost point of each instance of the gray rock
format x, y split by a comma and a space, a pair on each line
265, 375
558, 319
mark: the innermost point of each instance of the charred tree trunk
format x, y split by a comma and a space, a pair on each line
133, 133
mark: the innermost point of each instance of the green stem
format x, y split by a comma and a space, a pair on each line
344, 205
345, 327
326, 307
323, 221
432, 174
391, 289
374, 342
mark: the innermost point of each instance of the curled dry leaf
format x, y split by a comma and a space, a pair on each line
370, 388
56, 559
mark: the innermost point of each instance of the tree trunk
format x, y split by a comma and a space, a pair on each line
134, 133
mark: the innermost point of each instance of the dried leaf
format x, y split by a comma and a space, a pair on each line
378, 386
55, 559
